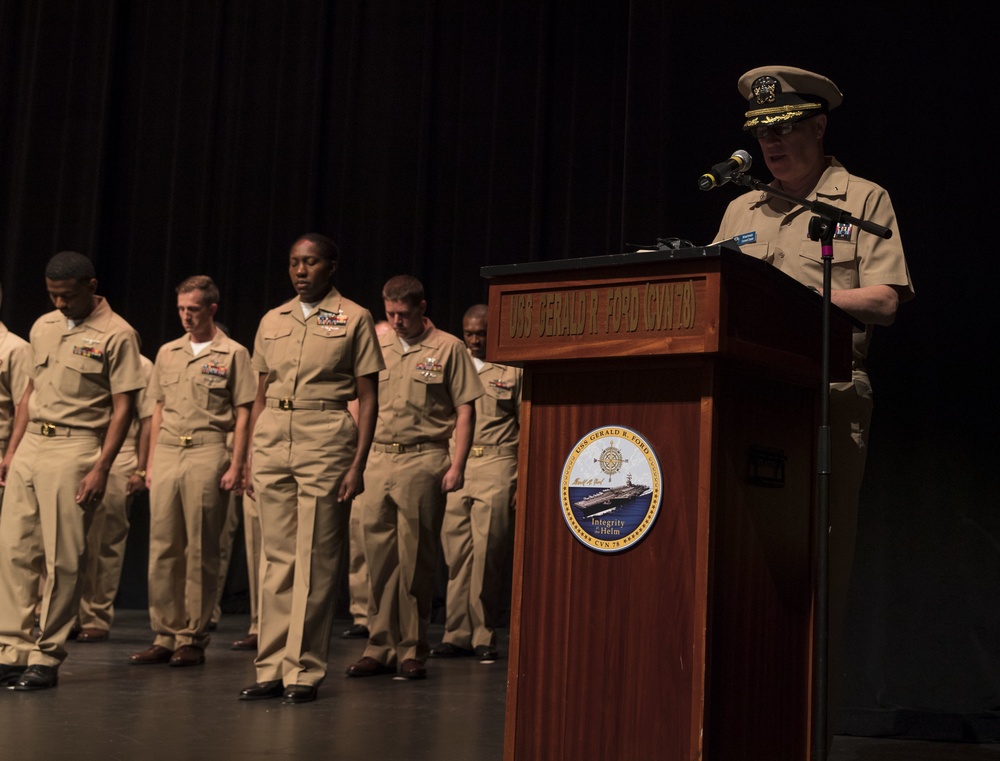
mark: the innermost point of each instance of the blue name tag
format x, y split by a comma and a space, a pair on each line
742, 240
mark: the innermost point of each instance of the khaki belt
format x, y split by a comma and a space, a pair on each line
192, 440
502, 449
305, 404
50, 430
404, 448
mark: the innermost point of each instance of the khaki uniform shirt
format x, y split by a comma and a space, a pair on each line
200, 393
316, 358
498, 409
14, 363
144, 407
420, 388
76, 370
144, 404
773, 229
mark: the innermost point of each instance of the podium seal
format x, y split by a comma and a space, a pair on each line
611, 488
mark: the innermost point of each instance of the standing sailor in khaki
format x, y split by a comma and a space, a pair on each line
108, 532
70, 424
203, 387
787, 112
426, 394
358, 585
478, 516
314, 354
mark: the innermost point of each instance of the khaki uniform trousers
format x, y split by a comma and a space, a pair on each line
850, 420
41, 494
299, 459
252, 542
403, 510
474, 539
229, 529
357, 569
187, 510
106, 540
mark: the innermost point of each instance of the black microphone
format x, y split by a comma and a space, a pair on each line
722, 173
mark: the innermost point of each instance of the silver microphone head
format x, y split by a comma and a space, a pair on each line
745, 160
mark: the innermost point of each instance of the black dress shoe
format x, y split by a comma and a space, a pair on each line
263, 690
299, 693
37, 678
357, 631
10, 673
448, 650
486, 654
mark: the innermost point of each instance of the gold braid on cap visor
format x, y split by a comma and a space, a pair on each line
776, 115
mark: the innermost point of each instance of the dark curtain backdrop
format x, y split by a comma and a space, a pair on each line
167, 138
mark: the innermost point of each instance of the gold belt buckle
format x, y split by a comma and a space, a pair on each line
477, 452
285, 404
48, 429
186, 441
396, 448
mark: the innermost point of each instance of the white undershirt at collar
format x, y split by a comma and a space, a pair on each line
197, 348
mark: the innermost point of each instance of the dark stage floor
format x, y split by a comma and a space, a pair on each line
105, 709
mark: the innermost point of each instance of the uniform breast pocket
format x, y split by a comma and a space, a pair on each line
169, 381
428, 391
843, 270
497, 401
210, 393
85, 376
762, 250
277, 345
328, 346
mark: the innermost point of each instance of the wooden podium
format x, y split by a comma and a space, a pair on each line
695, 641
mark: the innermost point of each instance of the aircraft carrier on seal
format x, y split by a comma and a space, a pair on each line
610, 499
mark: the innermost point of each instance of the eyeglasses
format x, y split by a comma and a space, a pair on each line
761, 130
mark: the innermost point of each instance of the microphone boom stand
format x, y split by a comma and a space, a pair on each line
821, 228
